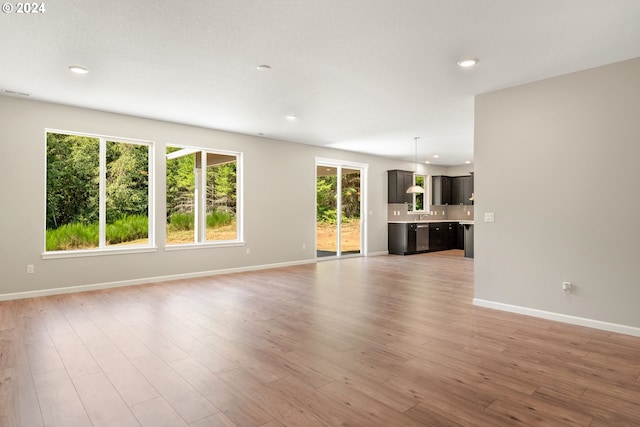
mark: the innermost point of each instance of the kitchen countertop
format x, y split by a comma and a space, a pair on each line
427, 221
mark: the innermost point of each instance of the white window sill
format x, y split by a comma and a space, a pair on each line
98, 252
207, 245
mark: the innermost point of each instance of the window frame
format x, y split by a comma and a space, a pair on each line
199, 216
102, 248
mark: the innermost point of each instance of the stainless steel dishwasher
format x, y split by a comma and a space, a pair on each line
422, 237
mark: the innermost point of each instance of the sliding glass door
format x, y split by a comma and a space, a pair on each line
339, 204
350, 229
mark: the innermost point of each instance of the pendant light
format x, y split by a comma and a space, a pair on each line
416, 188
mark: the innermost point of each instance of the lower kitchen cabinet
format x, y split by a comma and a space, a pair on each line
452, 235
408, 238
438, 236
402, 239
413, 238
443, 236
459, 237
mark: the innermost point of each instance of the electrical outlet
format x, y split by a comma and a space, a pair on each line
566, 287
304, 246
248, 251
489, 217
30, 269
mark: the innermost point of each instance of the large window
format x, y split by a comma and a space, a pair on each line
98, 193
202, 196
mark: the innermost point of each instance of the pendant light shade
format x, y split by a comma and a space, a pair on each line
416, 188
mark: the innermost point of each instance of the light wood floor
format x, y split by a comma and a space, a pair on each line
381, 341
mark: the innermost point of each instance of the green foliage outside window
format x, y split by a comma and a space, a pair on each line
73, 192
326, 204
221, 197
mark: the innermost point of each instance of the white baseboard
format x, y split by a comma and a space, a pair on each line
565, 318
381, 253
146, 280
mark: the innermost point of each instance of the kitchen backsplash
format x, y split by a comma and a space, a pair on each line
398, 212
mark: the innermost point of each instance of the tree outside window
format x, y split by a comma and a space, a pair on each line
97, 192
202, 193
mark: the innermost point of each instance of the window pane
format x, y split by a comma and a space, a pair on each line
350, 219
73, 180
420, 196
201, 196
220, 206
326, 211
180, 195
127, 194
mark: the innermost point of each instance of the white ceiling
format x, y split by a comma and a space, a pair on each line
361, 75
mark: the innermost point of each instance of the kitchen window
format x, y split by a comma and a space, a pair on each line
418, 198
421, 200
203, 206
98, 194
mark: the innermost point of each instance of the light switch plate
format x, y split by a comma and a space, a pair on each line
489, 217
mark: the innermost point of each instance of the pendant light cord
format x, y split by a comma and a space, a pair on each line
416, 158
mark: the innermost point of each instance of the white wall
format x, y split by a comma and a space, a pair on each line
460, 170
279, 183
557, 162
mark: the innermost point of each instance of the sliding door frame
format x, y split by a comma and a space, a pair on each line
339, 165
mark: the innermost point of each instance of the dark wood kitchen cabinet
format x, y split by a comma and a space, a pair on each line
441, 190
452, 234
461, 190
438, 236
412, 238
398, 182
459, 237
446, 235
408, 238
402, 238
467, 190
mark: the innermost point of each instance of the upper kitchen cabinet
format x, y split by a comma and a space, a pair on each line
461, 190
455, 190
441, 190
399, 182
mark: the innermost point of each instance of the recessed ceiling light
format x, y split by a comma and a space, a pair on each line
78, 69
466, 63
428, 162
436, 156
468, 161
291, 117
263, 67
